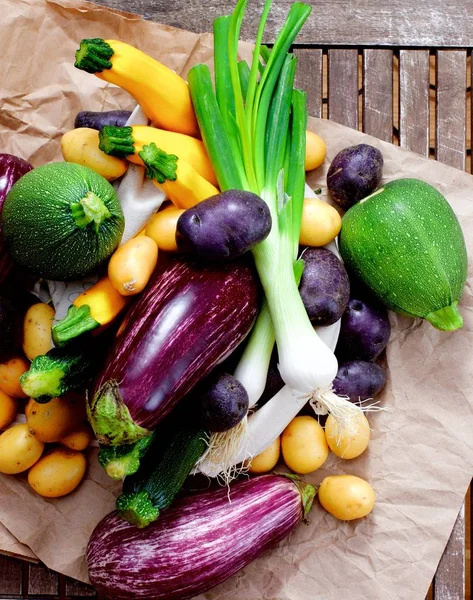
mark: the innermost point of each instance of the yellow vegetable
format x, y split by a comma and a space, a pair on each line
266, 460
8, 409
303, 445
162, 228
79, 439
162, 93
346, 497
130, 141
53, 421
19, 449
315, 151
348, 442
81, 146
132, 264
189, 188
37, 330
321, 223
10, 373
57, 473
104, 301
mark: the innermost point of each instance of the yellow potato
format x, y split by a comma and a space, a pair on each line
266, 460
162, 228
348, 442
37, 326
81, 146
315, 151
320, 224
57, 473
8, 409
53, 421
19, 449
303, 444
10, 373
79, 439
346, 497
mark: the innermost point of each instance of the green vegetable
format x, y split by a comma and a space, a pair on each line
178, 443
120, 461
62, 221
405, 242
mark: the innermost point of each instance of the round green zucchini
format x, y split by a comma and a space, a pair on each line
405, 242
62, 221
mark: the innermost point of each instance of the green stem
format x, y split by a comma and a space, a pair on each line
90, 209
94, 55
43, 386
137, 509
117, 141
75, 323
121, 461
447, 318
158, 164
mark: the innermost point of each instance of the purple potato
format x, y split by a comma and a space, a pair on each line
324, 286
359, 380
224, 226
98, 119
222, 402
354, 174
364, 331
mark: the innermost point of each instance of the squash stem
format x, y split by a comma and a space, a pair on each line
447, 318
42, 385
117, 141
93, 55
75, 323
137, 508
159, 165
90, 209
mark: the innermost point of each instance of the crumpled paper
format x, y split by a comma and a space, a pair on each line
420, 460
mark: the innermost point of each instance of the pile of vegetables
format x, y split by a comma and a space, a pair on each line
241, 328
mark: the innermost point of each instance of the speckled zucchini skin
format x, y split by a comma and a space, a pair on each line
405, 242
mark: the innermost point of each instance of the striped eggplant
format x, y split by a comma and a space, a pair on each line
11, 169
199, 542
188, 319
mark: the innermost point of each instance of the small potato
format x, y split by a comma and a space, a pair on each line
8, 409
57, 473
53, 421
10, 373
303, 444
19, 449
79, 439
314, 151
320, 224
346, 497
266, 460
162, 228
37, 326
81, 146
345, 443
132, 264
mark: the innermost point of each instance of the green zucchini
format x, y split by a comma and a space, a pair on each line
405, 243
62, 221
120, 461
178, 443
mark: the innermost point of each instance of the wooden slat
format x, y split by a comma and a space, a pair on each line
343, 87
76, 588
451, 107
309, 78
414, 100
42, 581
449, 581
378, 93
332, 22
10, 576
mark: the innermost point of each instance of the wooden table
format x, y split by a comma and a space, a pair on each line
398, 70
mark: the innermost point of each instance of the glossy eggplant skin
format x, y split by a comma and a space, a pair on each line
11, 169
198, 543
188, 319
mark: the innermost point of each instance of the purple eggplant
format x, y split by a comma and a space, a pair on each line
199, 542
187, 320
11, 169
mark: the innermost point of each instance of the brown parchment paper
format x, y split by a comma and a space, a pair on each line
420, 460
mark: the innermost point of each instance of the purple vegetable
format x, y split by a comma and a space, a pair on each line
354, 174
324, 286
98, 119
359, 380
186, 321
222, 401
199, 542
11, 169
